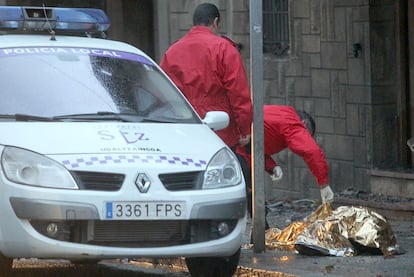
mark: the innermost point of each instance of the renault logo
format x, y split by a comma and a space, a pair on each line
143, 183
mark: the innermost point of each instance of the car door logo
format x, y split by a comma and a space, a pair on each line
143, 183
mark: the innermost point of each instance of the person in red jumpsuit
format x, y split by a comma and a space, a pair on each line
209, 70
284, 127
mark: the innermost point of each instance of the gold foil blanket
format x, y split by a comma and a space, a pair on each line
345, 231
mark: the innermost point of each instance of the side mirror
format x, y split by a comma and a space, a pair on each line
216, 120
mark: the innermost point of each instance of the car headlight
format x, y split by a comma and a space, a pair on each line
222, 171
29, 168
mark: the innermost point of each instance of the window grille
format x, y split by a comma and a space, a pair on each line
275, 26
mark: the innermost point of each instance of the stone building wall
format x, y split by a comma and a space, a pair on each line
352, 95
322, 75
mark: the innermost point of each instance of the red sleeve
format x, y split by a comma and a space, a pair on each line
269, 164
237, 87
302, 143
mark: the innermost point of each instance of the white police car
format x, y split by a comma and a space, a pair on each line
102, 157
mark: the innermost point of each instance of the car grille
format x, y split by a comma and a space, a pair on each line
101, 181
182, 181
132, 233
140, 233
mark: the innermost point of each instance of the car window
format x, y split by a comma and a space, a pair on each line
62, 81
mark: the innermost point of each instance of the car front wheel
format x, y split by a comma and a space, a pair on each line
213, 266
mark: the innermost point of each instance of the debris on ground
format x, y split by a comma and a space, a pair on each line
283, 214
367, 196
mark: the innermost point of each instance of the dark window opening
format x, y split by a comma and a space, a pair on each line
275, 27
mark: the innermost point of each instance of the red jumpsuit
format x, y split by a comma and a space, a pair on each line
208, 69
283, 128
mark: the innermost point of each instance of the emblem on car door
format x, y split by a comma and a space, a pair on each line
143, 183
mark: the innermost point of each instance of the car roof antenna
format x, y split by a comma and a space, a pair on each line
51, 31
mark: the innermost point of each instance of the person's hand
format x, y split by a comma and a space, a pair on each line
277, 174
327, 194
244, 140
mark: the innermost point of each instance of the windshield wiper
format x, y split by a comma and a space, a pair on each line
98, 116
159, 120
124, 117
27, 117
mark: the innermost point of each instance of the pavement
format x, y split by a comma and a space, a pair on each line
399, 215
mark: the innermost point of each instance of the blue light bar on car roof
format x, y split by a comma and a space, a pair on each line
51, 18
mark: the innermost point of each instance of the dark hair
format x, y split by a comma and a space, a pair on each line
205, 14
308, 121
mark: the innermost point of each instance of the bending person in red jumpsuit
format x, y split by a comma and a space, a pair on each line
284, 127
209, 70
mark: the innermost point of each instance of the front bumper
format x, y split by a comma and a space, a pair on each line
72, 230
61, 210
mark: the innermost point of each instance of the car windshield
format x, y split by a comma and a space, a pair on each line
87, 84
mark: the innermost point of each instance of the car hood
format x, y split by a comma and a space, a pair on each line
65, 138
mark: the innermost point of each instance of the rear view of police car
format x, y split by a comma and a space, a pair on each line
101, 156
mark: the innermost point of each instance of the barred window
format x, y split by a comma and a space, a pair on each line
275, 26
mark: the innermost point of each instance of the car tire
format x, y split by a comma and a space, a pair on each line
213, 266
6, 265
